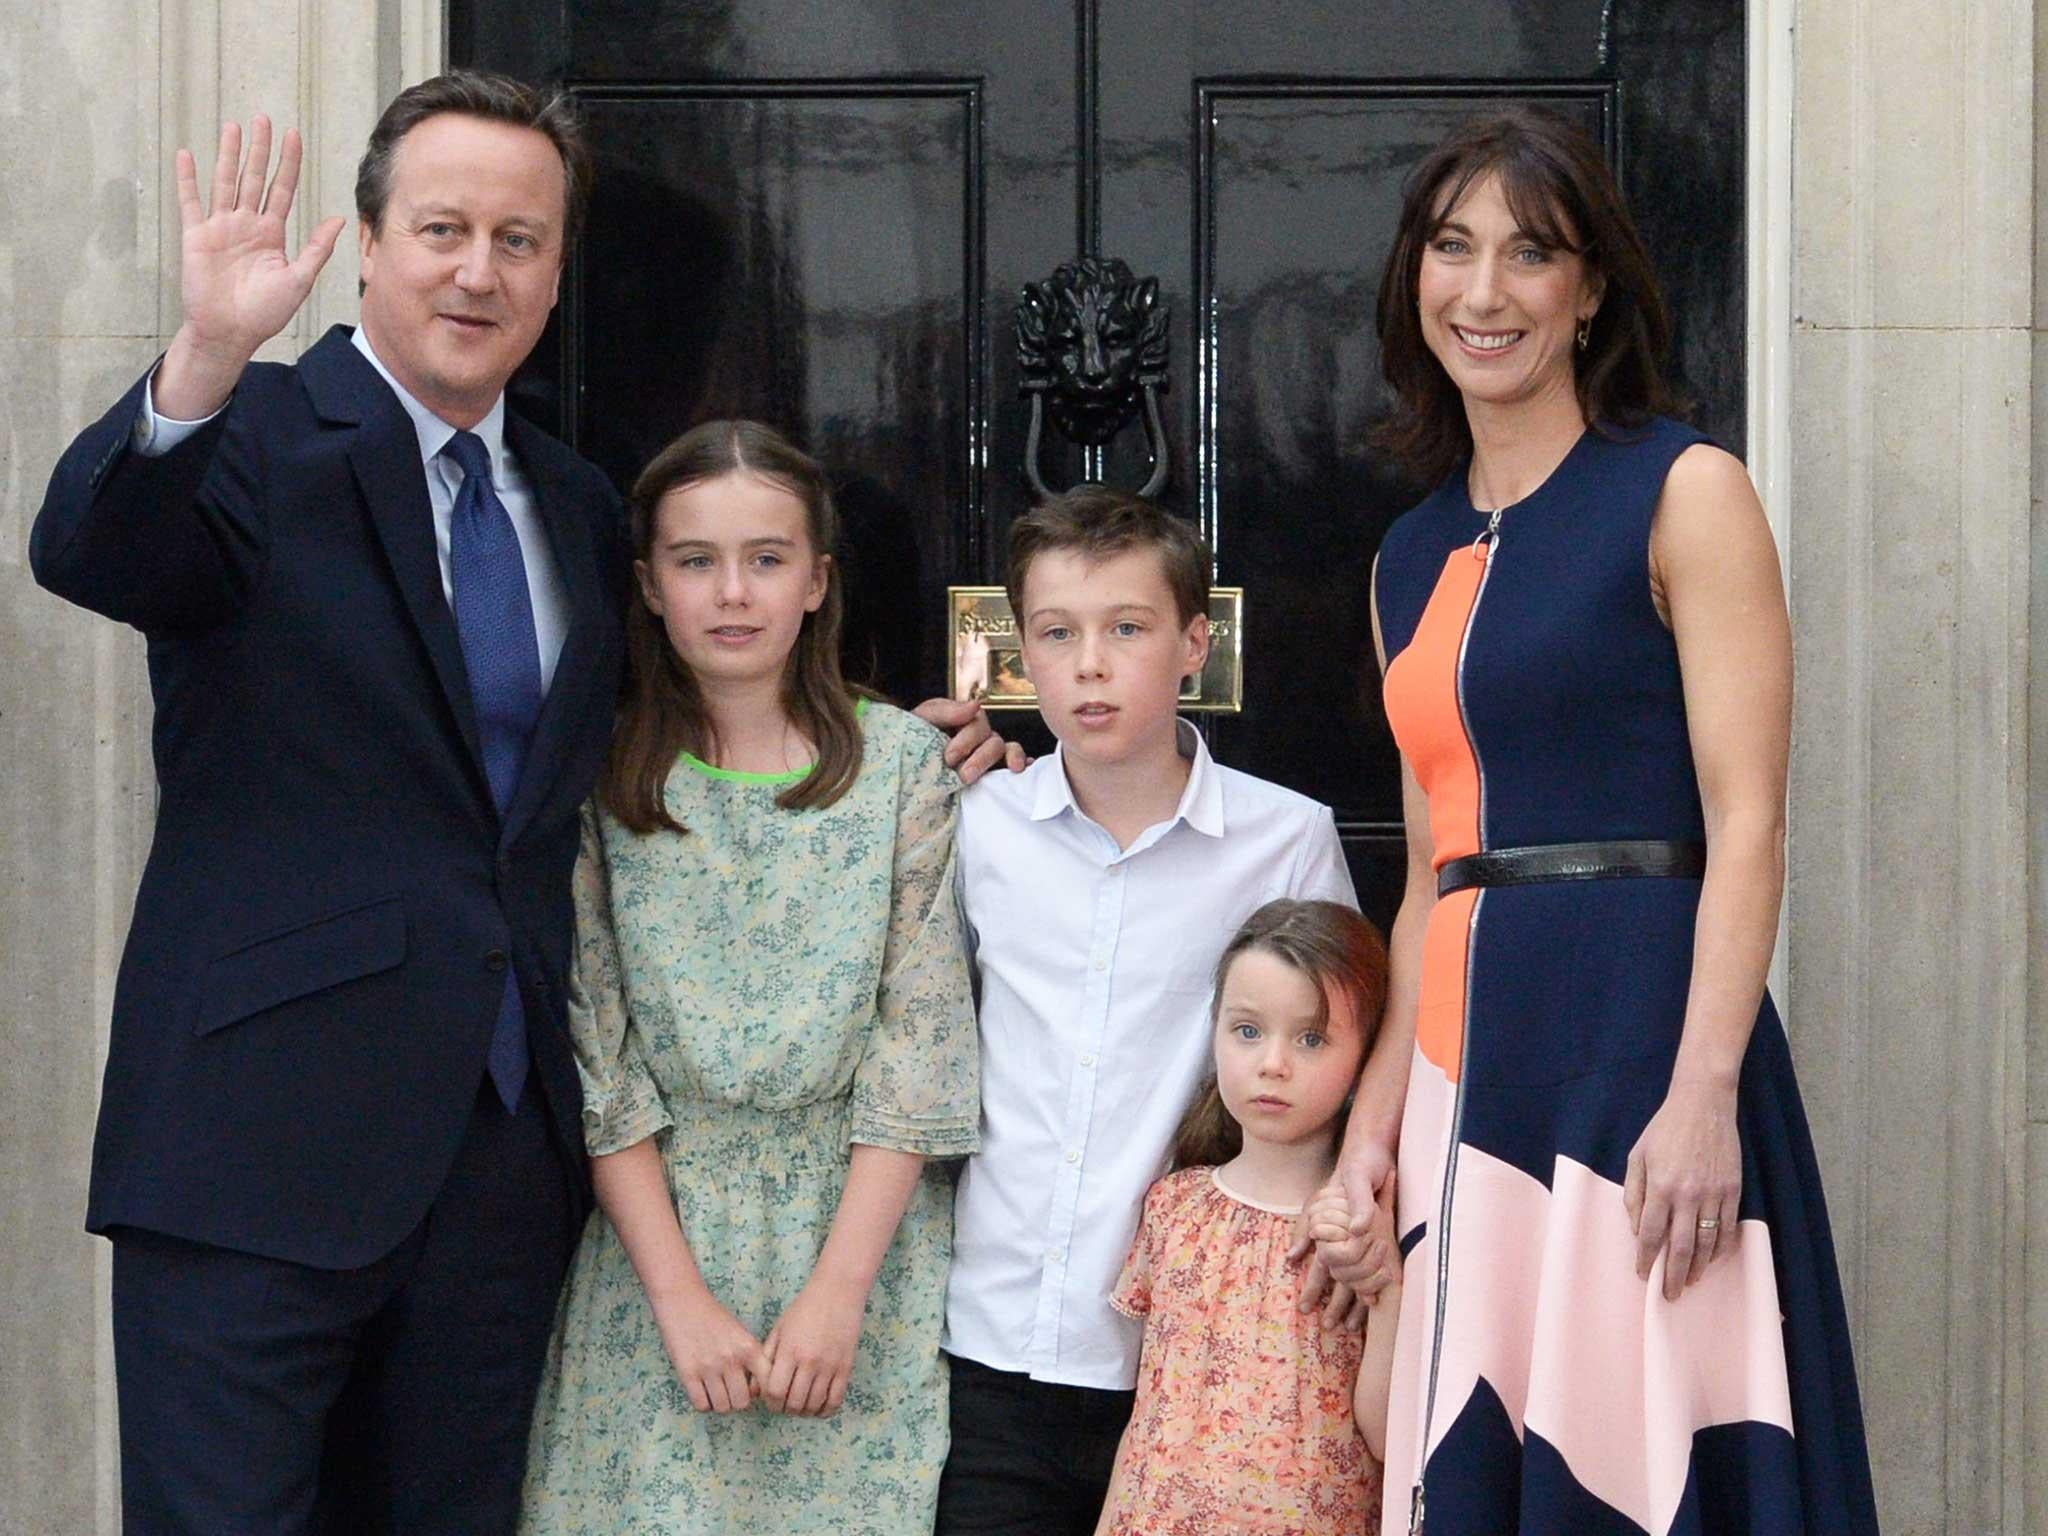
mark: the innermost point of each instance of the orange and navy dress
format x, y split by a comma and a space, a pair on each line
1539, 1385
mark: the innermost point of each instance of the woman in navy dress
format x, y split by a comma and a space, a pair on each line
1621, 1311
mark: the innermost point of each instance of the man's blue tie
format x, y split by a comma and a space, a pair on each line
494, 618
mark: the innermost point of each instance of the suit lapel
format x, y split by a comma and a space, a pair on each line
543, 461
385, 459
387, 468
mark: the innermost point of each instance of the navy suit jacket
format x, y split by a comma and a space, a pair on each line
306, 999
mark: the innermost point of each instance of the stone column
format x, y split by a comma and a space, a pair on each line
2033, 1414
1910, 431
94, 97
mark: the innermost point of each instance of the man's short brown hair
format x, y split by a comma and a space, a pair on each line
496, 99
1096, 522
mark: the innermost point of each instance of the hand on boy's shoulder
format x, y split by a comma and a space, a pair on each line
973, 746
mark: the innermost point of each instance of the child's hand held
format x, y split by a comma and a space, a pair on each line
1328, 1215
1329, 1208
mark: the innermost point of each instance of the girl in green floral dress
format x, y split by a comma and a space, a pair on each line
772, 1014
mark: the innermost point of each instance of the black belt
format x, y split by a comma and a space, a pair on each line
1573, 861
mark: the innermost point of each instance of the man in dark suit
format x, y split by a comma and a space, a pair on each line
339, 1150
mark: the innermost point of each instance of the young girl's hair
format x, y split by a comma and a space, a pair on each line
1328, 943
663, 714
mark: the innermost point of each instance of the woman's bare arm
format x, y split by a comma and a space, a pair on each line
1714, 574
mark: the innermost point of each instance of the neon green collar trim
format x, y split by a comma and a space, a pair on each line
735, 776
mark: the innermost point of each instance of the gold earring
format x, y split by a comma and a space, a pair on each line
1585, 333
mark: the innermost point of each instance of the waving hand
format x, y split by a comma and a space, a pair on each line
240, 288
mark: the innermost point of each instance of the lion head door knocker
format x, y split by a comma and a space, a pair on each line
1091, 341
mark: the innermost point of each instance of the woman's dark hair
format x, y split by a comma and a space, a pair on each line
1558, 187
1327, 942
663, 715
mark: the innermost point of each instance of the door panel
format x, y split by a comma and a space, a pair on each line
1252, 153
805, 254
823, 216
1292, 495
820, 216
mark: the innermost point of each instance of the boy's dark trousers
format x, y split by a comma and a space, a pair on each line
1029, 1458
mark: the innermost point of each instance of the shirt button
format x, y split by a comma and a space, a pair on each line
1087, 1059
1073, 1157
1101, 965
494, 960
1054, 1255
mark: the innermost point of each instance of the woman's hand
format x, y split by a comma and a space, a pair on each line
1366, 1260
810, 1349
1346, 1273
1379, 1229
1684, 1184
719, 1363
1364, 1253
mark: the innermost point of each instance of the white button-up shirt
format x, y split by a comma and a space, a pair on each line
1093, 966
158, 434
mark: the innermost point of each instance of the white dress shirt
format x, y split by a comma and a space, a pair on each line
155, 434
1093, 966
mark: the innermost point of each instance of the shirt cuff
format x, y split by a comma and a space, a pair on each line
157, 435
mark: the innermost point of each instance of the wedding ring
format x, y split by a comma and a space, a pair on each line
1709, 1223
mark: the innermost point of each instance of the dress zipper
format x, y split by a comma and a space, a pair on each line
1488, 540
1485, 548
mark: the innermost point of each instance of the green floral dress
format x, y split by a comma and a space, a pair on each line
758, 995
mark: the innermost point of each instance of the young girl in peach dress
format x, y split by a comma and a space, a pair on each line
1244, 1416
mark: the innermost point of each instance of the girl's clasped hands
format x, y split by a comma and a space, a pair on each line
801, 1368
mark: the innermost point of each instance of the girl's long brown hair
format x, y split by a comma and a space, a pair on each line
1331, 945
663, 714
1558, 187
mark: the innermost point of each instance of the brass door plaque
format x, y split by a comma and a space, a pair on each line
985, 659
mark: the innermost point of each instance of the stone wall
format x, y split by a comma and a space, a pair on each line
1911, 433
1901, 326
94, 97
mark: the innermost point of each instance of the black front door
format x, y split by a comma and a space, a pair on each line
822, 215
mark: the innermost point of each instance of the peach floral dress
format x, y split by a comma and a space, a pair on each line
1243, 1418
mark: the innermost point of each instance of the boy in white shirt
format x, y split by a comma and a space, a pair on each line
1098, 888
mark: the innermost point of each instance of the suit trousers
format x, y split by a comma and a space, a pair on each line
261, 1396
1029, 1458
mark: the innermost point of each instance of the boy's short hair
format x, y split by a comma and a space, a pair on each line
1097, 522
